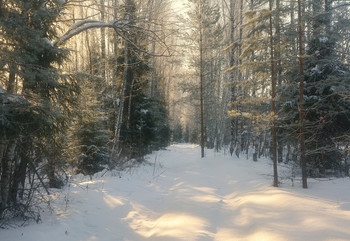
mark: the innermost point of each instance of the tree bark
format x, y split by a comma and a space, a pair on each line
19, 175
119, 122
279, 150
301, 98
103, 42
12, 78
279, 74
233, 127
201, 79
154, 74
6, 163
273, 96
130, 101
116, 102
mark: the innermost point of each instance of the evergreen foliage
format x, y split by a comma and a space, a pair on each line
94, 148
34, 122
326, 110
145, 124
148, 128
178, 133
39, 101
90, 135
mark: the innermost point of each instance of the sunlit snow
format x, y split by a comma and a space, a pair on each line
179, 196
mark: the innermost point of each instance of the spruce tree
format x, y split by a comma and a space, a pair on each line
27, 29
327, 112
90, 138
327, 79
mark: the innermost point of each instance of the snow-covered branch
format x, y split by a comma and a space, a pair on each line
86, 24
341, 5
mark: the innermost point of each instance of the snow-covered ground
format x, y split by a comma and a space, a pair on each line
183, 197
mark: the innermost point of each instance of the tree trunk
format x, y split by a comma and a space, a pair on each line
233, 127
12, 78
273, 96
130, 101
292, 24
288, 153
154, 74
256, 148
118, 124
301, 98
278, 44
19, 176
116, 101
261, 145
279, 151
52, 166
219, 116
4, 174
248, 143
201, 80
103, 42
6, 164
279, 74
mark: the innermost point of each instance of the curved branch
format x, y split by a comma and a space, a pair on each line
84, 25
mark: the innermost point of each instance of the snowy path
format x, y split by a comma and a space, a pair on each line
184, 197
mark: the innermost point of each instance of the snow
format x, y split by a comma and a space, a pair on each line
60, 2
316, 70
323, 39
179, 196
47, 41
86, 24
2, 91
289, 103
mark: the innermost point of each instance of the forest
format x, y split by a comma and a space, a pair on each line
94, 85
